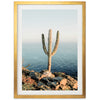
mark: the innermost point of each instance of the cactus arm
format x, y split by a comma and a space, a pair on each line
43, 44
56, 44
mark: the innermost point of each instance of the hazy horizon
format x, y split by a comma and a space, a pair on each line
36, 22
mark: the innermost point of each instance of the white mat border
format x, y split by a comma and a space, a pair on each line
19, 49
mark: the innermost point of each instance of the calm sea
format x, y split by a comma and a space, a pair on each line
65, 59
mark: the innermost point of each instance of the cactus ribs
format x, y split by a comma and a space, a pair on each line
50, 53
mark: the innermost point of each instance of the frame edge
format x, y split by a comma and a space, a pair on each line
83, 3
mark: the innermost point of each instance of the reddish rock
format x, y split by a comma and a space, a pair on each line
32, 71
57, 87
25, 71
45, 80
65, 87
28, 80
63, 82
75, 85
23, 79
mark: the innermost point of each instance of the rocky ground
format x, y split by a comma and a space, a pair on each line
45, 80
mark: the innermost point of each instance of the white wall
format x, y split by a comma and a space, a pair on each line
92, 49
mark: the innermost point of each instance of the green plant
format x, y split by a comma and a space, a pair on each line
50, 53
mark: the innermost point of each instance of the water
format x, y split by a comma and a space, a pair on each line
65, 59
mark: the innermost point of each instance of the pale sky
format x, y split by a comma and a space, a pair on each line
36, 22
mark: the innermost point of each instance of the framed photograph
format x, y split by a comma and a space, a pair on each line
49, 49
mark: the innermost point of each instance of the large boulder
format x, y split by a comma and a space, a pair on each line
46, 73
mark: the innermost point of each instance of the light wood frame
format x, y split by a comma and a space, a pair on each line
83, 47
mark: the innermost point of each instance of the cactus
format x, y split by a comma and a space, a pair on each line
50, 53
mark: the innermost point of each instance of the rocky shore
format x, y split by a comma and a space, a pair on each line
45, 80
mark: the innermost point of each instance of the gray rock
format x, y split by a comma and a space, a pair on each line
52, 84
58, 79
40, 84
55, 79
35, 75
50, 79
59, 74
44, 80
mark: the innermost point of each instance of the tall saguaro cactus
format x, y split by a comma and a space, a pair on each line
50, 53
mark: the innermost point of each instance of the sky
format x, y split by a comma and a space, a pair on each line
35, 22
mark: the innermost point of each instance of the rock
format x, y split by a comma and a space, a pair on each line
46, 73
52, 84
72, 82
56, 82
60, 80
28, 80
75, 86
47, 88
23, 79
32, 71
40, 83
42, 86
57, 87
44, 80
25, 71
59, 74
65, 87
43, 71
35, 75
28, 87
63, 82
70, 78
50, 79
